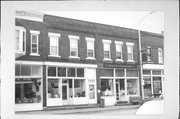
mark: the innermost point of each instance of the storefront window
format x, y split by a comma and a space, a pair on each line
36, 70
79, 88
157, 86
132, 86
17, 70
107, 72
61, 71
71, 72
119, 73
25, 70
147, 87
27, 91
80, 72
132, 73
107, 87
53, 88
51, 71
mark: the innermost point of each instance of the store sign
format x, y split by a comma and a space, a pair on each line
111, 65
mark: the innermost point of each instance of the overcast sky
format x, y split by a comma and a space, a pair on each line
152, 22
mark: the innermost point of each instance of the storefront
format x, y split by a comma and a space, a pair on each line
28, 87
71, 84
153, 81
118, 83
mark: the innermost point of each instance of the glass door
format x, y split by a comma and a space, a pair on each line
65, 92
117, 90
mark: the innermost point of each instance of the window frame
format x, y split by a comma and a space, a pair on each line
148, 50
21, 39
160, 56
90, 40
36, 33
109, 47
73, 37
57, 43
130, 45
121, 45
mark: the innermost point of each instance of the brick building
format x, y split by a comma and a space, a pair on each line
61, 62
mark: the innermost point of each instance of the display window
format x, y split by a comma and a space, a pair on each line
107, 87
147, 86
91, 91
79, 88
53, 88
132, 86
27, 91
157, 86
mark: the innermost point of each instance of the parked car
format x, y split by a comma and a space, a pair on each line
151, 107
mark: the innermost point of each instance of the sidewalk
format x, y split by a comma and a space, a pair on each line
82, 110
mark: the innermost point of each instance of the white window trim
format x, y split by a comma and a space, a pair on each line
88, 39
21, 29
128, 44
57, 35
108, 42
35, 33
73, 37
119, 43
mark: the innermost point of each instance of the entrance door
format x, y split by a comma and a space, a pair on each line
65, 94
117, 91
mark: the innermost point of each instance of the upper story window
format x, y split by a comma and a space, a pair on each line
54, 44
148, 54
119, 56
34, 42
73, 46
90, 48
160, 55
20, 35
130, 52
107, 51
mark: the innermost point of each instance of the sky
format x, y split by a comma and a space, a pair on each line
129, 19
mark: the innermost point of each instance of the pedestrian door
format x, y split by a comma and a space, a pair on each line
65, 92
117, 91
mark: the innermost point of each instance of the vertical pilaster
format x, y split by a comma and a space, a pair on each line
44, 87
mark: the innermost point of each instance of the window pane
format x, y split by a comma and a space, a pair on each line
118, 47
71, 72
90, 45
53, 40
25, 70
130, 56
107, 87
17, 40
132, 73
17, 70
146, 71
27, 91
73, 43
91, 92
106, 47
156, 72
90, 53
119, 73
53, 50
132, 87
79, 88
61, 71
24, 40
80, 72
147, 87
118, 55
51, 71
34, 39
106, 54
34, 48
73, 52
107, 72
36, 70
53, 88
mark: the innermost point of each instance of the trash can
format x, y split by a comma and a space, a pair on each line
102, 102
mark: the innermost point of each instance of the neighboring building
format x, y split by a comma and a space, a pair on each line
61, 62
153, 64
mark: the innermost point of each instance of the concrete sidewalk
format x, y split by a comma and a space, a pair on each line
82, 110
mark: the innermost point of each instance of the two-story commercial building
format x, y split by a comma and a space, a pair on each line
62, 62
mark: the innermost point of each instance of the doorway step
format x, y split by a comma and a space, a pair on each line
68, 107
122, 103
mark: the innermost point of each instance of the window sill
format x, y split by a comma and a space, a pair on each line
91, 58
34, 54
119, 60
130, 61
54, 56
74, 57
107, 59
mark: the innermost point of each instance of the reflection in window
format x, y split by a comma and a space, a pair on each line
61, 71
27, 91
53, 88
71, 72
107, 87
51, 71
79, 88
132, 86
80, 72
